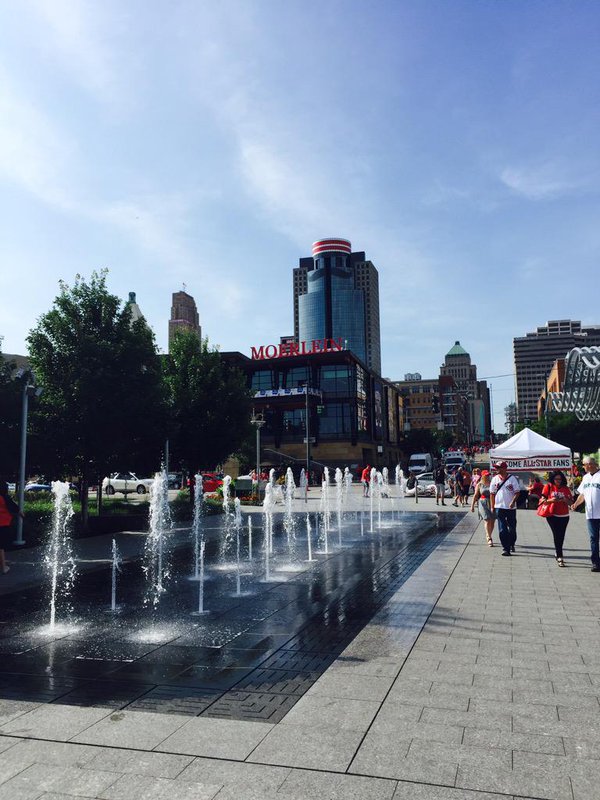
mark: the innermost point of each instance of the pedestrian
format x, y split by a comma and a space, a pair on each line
466, 486
439, 478
535, 489
554, 506
481, 498
459, 487
8, 511
504, 493
366, 478
588, 492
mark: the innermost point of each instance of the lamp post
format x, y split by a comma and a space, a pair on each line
29, 390
258, 421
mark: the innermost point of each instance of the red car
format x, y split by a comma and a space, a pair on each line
211, 481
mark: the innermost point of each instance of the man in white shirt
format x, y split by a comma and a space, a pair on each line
588, 492
504, 493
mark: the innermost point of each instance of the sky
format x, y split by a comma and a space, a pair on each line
209, 144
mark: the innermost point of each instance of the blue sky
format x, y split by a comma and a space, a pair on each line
210, 144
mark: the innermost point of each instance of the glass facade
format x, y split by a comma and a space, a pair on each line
332, 308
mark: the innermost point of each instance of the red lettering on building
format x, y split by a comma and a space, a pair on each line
286, 349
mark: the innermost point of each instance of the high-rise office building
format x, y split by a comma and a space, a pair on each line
336, 294
184, 316
457, 364
536, 352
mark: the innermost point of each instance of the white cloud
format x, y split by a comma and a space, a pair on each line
76, 34
34, 154
544, 181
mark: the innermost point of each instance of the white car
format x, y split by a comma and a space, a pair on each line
426, 486
126, 482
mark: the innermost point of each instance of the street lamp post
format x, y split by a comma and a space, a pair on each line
258, 421
29, 390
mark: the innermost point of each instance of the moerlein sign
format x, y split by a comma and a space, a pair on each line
296, 349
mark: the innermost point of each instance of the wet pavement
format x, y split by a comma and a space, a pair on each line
251, 658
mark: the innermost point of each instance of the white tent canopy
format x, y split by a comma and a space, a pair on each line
527, 450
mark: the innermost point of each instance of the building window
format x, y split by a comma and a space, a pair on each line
336, 381
263, 379
336, 421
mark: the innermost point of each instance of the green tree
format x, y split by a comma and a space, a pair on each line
10, 416
209, 404
103, 401
566, 429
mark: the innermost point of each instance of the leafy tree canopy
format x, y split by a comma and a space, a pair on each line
10, 416
566, 429
103, 402
209, 404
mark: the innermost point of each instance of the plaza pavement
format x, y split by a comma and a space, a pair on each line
478, 680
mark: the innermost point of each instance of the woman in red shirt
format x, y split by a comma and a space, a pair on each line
557, 498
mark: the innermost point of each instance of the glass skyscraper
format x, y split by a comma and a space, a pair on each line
332, 307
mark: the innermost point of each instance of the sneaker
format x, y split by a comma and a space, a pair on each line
505, 553
512, 549
596, 568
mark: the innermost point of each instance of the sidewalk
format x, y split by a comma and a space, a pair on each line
478, 680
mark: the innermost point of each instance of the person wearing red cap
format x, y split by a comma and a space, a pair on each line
504, 493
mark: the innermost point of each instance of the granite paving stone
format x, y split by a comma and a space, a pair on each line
236, 774
353, 687
54, 722
157, 765
68, 779
514, 741
346, 713
323, 747
135, 729
42, 751
514, 782
327, 786
423, 791
390, 758
216, 738
146, 787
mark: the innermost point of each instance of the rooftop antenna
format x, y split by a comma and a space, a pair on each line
184, 287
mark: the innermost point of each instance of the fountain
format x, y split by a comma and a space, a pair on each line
304, 484
155, 567
196, 521
116, 567
379, 496
372, 484
249, 537
339, 498
59, 559
308, 538
201, 609
325, 509
238, 526
268, 537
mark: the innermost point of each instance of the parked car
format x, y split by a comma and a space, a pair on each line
211, 481
426, 486
175, 479
126, 482
38, 487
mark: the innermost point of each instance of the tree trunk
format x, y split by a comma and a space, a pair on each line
99, 497
84, 502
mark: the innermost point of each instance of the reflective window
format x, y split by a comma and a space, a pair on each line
336, 380
295, 377
262, 379
336, 420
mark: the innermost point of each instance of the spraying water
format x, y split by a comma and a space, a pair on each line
288, 517
373, 482
339, 499
304, 484
238, 526
155, 564
379, 495
116, 567
308, 538
59, 559
196, 521
249, 537
201, 609
268, 539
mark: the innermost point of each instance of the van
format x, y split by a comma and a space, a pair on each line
454, 460
420, 462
